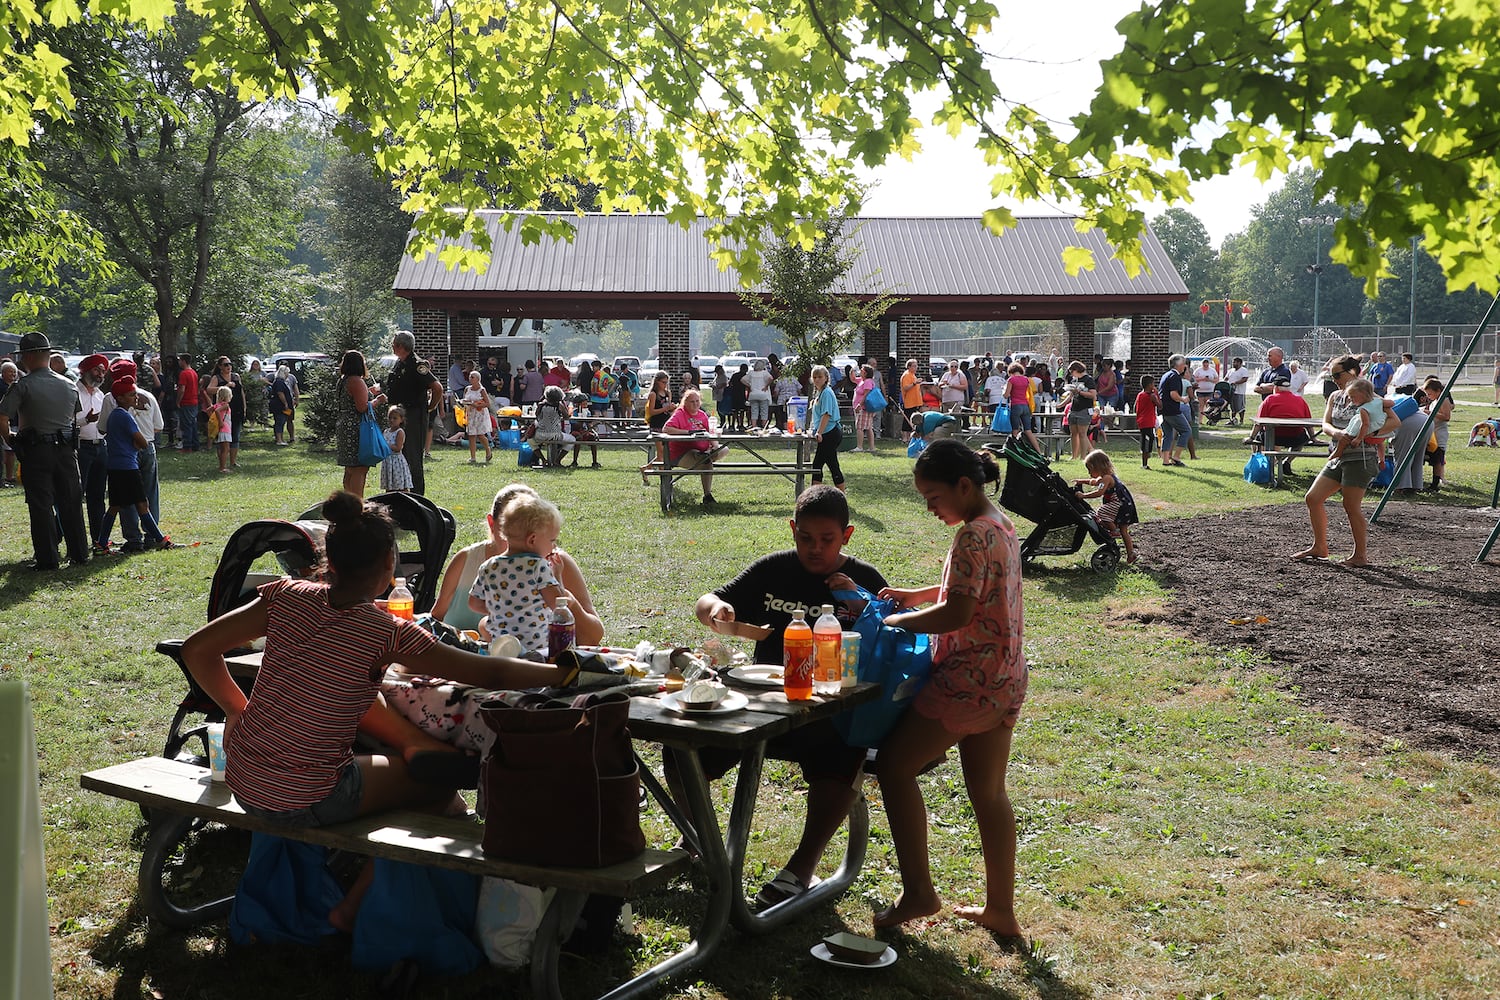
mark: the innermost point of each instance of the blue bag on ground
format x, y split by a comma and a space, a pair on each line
914, 448
508, 438
525, 455
285, 893
898, 660
372, 447
1001, 422
1258, 469
1386, 474
875, 400
425, 915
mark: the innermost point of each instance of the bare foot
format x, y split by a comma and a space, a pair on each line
905, 909
1351, 561
1004, 925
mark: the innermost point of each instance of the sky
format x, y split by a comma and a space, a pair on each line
1046, 55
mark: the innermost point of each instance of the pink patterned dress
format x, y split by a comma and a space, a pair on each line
979, 671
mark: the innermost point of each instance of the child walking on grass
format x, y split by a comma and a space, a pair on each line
974, 696
1147, 402
225, 437
1116, 511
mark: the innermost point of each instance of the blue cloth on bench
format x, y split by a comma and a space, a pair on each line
285, 894
418, 913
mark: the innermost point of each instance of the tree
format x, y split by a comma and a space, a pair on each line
1186, 241
187, 188
807, 295
1388, 102
753, 115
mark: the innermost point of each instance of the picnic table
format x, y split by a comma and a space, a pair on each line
759, 459
1262, 439
178, 790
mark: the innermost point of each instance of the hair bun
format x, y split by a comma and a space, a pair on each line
341, 507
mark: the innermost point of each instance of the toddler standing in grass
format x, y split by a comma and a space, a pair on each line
1116, 511
974, 696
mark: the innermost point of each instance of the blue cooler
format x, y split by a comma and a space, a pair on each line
1405, 406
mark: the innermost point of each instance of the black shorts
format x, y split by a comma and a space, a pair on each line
125, 488
818, 747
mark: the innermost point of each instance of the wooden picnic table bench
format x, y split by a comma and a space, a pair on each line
178, 792
796, 471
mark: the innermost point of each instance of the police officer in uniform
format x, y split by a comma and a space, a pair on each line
45, 405
412, 384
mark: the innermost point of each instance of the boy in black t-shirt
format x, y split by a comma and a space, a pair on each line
757, 605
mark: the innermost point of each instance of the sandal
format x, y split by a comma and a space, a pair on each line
783, 887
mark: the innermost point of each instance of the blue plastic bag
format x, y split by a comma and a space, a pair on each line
285, 893
1001, 422
525, 455
914, 448
898, 660
372, 447
1258, 469
875, 400
1385, 475
509, 438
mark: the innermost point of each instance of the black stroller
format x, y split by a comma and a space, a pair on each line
1063, 520
257, 553
1219, 405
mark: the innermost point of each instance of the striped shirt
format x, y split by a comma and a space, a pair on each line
321, 670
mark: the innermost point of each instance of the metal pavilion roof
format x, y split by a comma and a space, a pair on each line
626, 266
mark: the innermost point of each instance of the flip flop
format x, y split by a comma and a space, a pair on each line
1309, 558
444, 768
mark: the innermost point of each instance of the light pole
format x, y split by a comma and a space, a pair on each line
1316, 270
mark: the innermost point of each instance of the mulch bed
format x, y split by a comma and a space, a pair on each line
1408, 649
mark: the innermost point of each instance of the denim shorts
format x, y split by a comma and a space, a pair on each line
339, 806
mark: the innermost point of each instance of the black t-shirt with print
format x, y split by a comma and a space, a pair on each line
774, 586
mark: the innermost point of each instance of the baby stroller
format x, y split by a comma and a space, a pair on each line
1219, 405
1063, 520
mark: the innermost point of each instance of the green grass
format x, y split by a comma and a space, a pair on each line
1187, 827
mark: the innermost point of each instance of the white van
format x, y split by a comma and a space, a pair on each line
515, 350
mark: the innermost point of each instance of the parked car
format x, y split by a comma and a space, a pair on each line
581, 359
626, 359
298, 362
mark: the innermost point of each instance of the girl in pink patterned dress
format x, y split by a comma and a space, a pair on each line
974, 696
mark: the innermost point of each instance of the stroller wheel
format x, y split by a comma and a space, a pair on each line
1105, 559
189, 869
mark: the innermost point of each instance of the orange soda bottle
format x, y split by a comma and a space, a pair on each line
797, 658
399, 602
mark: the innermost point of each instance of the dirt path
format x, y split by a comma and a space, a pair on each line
1408, 649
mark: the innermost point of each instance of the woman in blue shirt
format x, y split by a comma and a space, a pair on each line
823, 425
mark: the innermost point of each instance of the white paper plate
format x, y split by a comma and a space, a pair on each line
759, 674
821, 953
733, 702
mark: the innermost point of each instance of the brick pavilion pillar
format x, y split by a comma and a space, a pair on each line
430, 327
1083, 344
914, 340
463, 344
674, 347
1149, 337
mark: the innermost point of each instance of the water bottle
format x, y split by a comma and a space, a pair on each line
797, 658
828, 640
400, 602
559, 630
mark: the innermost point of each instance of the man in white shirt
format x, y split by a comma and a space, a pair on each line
1237, 376
1300, 378
92, 475
1404, 382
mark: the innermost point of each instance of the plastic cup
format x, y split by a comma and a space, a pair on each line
849, 659
216, 757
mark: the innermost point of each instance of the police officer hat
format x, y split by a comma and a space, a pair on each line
34, 342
